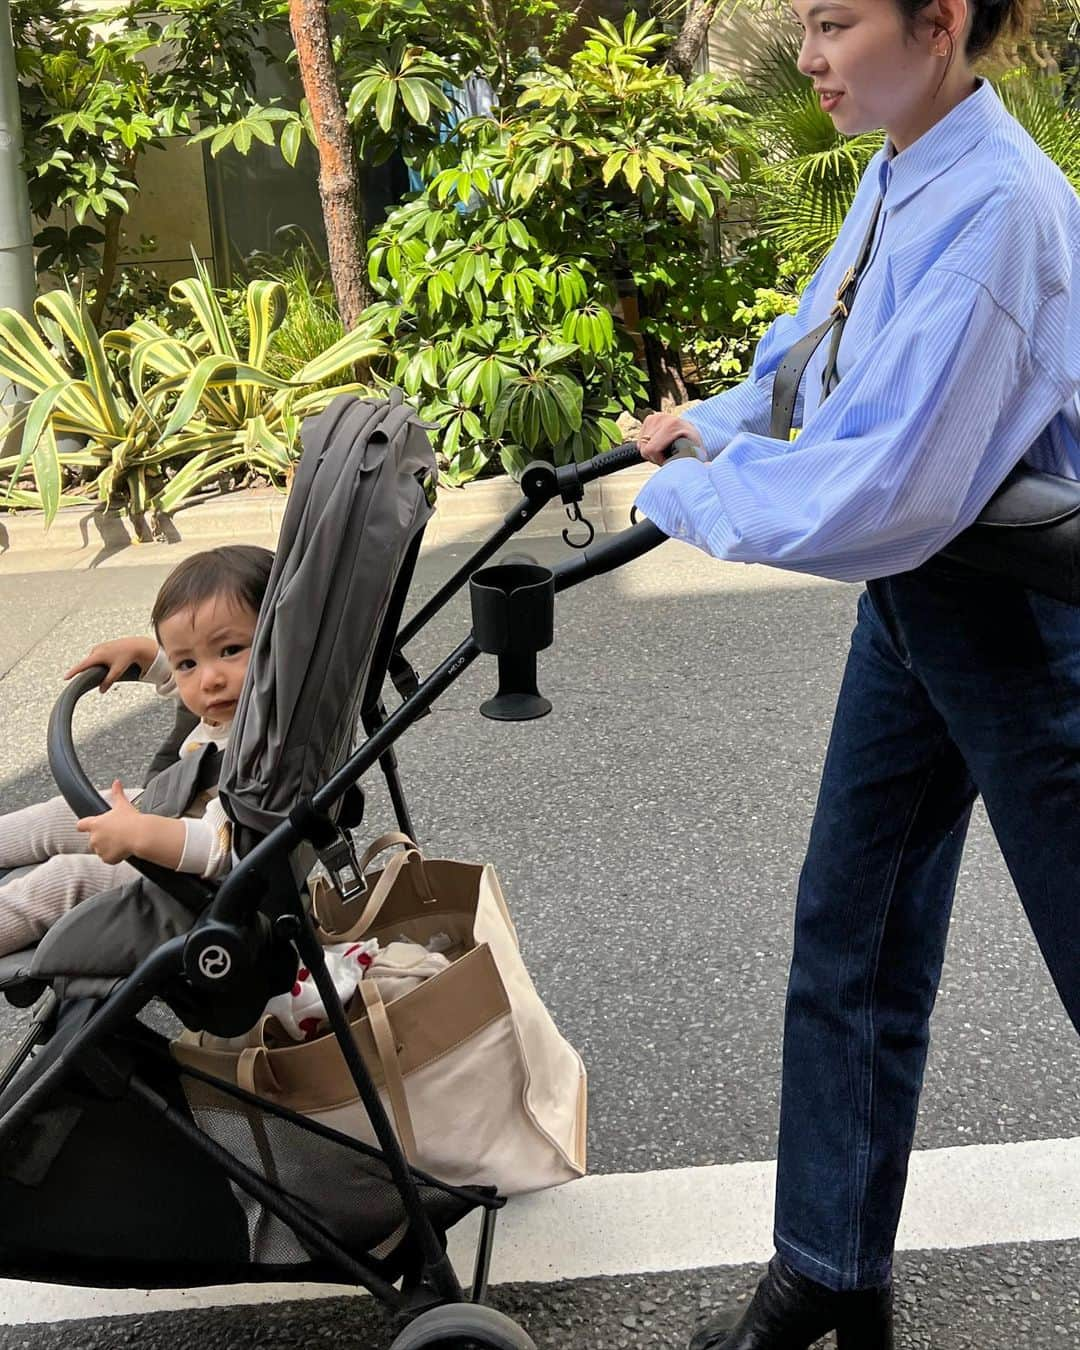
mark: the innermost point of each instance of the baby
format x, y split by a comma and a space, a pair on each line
204, 618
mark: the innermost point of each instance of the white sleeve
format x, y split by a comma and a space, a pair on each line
207, 843
159, 674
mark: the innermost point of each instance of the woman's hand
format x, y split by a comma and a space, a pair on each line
118, 655
661, 430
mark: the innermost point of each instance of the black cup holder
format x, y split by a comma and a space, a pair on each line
513, 613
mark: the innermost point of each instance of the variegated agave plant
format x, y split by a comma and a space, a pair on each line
158, 417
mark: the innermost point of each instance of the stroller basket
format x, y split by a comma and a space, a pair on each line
120, 1164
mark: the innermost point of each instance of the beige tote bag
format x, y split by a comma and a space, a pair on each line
481, 1087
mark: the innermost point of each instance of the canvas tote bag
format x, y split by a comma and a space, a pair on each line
481, 1087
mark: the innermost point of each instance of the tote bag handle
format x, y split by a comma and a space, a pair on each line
386, 1048
337, 925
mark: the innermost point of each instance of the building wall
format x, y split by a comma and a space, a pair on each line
738, 25
171, 208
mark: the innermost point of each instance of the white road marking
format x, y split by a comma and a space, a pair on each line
682, 1219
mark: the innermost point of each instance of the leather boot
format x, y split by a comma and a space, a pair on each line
790, 1312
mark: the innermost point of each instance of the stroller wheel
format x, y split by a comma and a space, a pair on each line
463, 1326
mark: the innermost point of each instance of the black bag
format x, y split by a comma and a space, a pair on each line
1028, 532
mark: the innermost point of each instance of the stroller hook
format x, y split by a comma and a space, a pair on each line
573, 511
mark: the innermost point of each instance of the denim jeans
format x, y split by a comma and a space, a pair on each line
955, 685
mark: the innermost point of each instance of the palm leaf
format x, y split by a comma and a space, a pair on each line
354, 347
75, 322
198, 294
223, 373
266, 303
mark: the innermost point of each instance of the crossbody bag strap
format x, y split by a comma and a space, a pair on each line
792, 368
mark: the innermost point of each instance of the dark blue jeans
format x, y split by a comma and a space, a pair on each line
955, 685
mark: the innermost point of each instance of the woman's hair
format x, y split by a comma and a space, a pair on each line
992, 19
239, 572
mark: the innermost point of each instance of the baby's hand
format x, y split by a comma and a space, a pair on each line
118, 655
114, 835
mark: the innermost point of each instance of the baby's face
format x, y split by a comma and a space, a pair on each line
208, 648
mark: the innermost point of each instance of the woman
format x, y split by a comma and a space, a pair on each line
961, 356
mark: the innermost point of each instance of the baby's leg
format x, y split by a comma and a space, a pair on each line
41, 831
31, 904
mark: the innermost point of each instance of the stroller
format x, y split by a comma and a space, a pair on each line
96, 1114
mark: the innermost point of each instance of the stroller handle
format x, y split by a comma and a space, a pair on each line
81, 795
610, 553
75, 788
611, 461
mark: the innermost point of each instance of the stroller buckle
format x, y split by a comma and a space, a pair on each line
340, 860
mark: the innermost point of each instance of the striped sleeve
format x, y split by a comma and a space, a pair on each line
901, 457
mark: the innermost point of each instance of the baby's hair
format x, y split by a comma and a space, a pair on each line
991, 20
239, 572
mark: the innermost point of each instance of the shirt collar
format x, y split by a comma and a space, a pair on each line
900, 176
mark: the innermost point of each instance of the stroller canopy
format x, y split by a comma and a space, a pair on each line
358, 502
359, 498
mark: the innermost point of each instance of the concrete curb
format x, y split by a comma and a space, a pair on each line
80, 534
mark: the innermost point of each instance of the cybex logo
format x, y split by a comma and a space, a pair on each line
214, 963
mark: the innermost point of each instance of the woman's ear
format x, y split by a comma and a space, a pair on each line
951, 17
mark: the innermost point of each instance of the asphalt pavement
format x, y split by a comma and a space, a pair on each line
648, 836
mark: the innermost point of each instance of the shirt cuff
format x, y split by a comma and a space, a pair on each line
159, 674
713, 438
207, 845
681, 501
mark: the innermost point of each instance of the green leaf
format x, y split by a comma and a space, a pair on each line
217, 370
416, 101
632, 171
519, 234
384, 104
74, 320
363, 91
491, 382
38, 419
46, 459
612, 165
262, 130
701, 194
291, 138
570, 398
549, 416
553, 352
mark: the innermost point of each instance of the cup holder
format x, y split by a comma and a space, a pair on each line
513, 613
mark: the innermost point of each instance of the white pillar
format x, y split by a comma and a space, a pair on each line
17, 280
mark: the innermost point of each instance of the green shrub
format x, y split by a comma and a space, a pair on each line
156, 417
497, 284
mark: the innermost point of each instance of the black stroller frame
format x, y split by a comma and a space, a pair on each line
220, 975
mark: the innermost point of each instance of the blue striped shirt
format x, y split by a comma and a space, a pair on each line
961, 357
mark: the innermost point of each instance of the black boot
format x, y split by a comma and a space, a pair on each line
790, 1312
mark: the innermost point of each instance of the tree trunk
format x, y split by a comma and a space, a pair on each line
110, 251
339, 172
667, 387
692, 36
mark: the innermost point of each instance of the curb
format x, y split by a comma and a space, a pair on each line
81, 535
